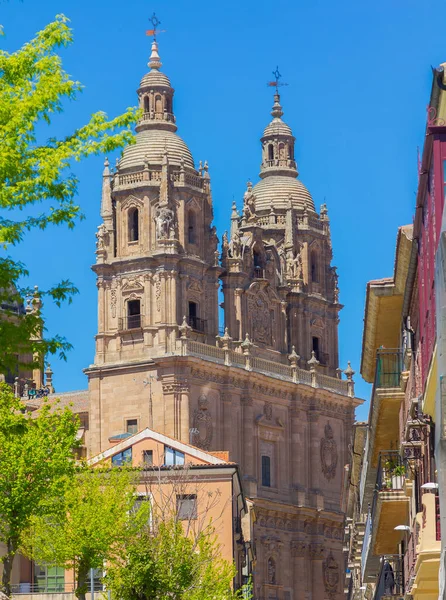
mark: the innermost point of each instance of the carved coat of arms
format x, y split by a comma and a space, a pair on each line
203, 429
329, 453
330, 570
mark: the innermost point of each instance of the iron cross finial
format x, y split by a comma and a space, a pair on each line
155, 22
276, 83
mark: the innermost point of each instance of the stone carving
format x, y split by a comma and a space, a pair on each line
271, 571
235, 245
195, 286
299, 548
113, 300
164, 223
330, 573
268, 411
202, 424
158, 294
317, 551
101, 236
329, 453
295, 266
249, 208
260, 319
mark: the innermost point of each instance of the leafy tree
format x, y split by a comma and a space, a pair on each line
36, 454
88, 525
167, 564
36, 187
175, 556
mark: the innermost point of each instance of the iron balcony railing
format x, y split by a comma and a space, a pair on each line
390, 475
259, 273
131, 322
197, 324
409, 562
390, 579
389, 365
437, 519
391, 471
52, 587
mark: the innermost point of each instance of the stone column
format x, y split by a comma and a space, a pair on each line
184, 412
226, 400
317, 557
298, 454
101, 305
314, 450
248, 445
238, 333
299, 553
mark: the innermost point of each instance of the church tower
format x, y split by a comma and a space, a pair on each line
156, 250
279, 286
268, 391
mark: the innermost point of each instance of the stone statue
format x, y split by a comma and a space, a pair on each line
297, 266
282, 257
101, 235
164, 224
249, 209
271, 571
235, 245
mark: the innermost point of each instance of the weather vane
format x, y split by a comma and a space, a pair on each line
155, 22
276, 83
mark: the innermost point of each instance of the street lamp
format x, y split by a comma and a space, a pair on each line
402, 528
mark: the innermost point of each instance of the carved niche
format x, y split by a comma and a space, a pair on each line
330, 574
202, 424
329, 453
259, 312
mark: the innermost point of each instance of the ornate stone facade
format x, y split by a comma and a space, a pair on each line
268, 390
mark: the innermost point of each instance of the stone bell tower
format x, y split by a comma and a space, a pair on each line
157, 258
279, 286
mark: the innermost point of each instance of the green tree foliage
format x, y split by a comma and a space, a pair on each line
163, 562
36, 187
36, 454
89, 525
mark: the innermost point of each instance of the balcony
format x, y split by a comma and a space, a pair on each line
131, 322
197, 324
428, 547
384, 416
390, 508
259, 273
390, 580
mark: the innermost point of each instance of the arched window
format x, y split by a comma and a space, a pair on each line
158, 104
191, 227
133, 222
291, 152
282, 151
146, 104
258, 264
168, 105
270, 152
314, 268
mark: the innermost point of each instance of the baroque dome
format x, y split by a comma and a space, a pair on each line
150, 147
154, 78
277, 127
278, 189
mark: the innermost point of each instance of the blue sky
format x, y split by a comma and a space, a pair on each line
359, 82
